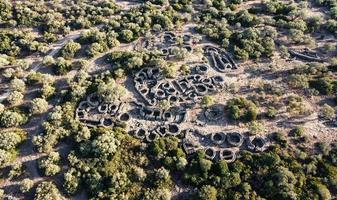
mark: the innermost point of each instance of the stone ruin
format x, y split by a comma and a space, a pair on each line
153, 87
307, 55
220, 59
222, 145
95, 112
150, 123
147, 122
165, 43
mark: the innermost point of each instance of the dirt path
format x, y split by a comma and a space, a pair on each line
55, 49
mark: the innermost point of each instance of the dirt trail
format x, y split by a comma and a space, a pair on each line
55, 49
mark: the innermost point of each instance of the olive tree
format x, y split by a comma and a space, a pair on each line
15, 98
11, 139
11, 118
5, 157
111, 91
327, 112
47, 190
38, 106
69, 50
50, 163
207, 192
105, 145
18, 85
26, 185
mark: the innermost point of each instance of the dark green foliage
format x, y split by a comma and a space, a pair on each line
254, 43
129, 61
278, 174
70, 49
242, 109
325, 86
167, 151
62, 66
137, 21
280, 138
17, 42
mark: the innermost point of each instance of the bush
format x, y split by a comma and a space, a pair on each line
50, 164
170, 70
18, 85
47, 190
69, 50
327, 112
38, 106
298, 131
325, 86
207, 192
26, 185
15, 98
207, 100
242, 109
62, 66
11, 118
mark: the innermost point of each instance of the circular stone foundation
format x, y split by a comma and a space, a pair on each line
234, 139
124, 117
218, 138
173, 129
210, 153
228, 155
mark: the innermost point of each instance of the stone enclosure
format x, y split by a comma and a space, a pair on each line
147, 120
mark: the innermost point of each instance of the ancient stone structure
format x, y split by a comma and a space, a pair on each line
222, 145
306, 55
147, 121
94, 112
151, 85
220, 59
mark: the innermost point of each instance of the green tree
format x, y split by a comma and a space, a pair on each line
5, 157
10, 139
15, 98
127, 35
47, 190
105, 145
50, 164
38, 106
111, 91
327, 112
26, 185
207, 192
18, 85
11, 118
62, 66
70, 49
95, 49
